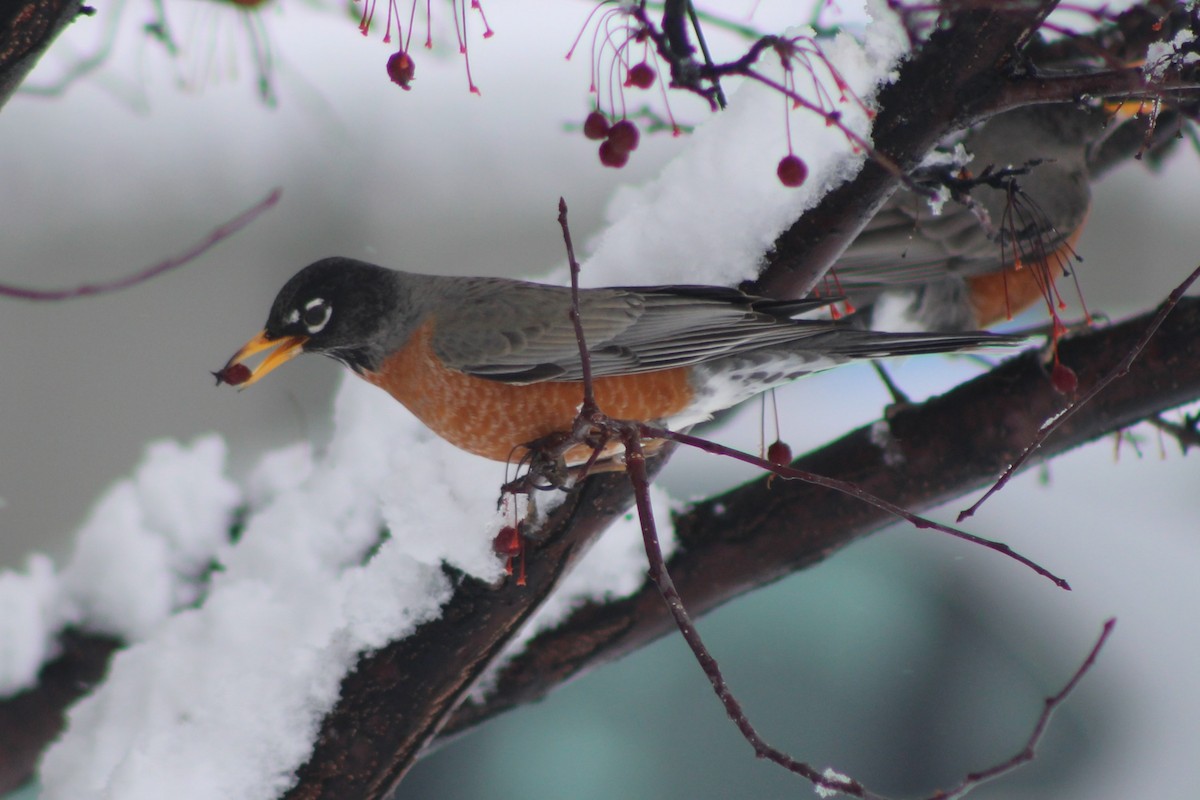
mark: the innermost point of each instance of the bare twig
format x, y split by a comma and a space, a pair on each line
217, 236
635, 467
852, 490
704, 79
1186, 434
1119, 371
585, 358
1050, 705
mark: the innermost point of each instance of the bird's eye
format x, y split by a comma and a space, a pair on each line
316, 315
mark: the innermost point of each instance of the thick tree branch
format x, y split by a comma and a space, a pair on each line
397, 698
27, 27
32, 719
1128, 84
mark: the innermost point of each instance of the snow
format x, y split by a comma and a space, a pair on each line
28, 623
1161, 56
142, 555
720, 201
145, 549
830, 774
237, 648
286, 615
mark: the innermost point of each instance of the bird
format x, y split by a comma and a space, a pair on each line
493, 364
981, 261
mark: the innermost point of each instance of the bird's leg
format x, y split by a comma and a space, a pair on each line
546, 468
545, 459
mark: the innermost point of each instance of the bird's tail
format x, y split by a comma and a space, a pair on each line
855, 344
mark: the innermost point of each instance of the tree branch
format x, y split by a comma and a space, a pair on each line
397, 698
29, 721
26, 30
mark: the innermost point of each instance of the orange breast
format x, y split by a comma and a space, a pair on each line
491, 418
1001, 295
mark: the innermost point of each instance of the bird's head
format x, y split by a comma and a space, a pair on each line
336, 306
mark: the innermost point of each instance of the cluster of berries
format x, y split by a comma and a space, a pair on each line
617, 140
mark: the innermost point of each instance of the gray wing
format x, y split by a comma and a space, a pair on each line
906, 244
522, 332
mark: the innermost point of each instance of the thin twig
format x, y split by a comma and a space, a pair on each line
694, 17
852, 490
635, 467
1119, 371
218, 235
1050, 705
585, 358
690, 76
834, 118
1185, 434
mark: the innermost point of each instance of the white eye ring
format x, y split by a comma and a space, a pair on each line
315, 326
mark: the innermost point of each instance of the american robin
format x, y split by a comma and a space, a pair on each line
973, 265
491, 364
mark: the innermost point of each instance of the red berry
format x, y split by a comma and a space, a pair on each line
595, 127
779, 453
507, 542
401, 69
641, 75
1063, 379
612, 156
791, 171
624, 136
233, 374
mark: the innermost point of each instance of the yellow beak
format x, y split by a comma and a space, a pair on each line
286, 348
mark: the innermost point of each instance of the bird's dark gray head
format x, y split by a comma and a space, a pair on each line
340, 307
